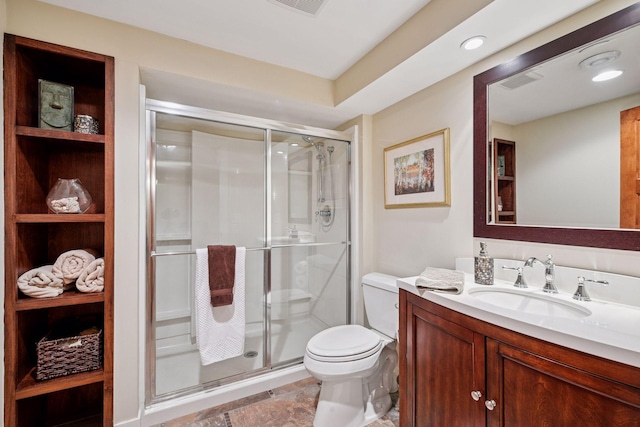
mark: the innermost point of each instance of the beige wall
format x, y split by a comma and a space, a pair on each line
407, 240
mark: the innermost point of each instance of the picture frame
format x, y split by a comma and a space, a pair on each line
417, 172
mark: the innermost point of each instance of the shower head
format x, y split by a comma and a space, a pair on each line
308, 140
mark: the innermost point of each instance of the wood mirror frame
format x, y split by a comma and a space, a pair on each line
596, 238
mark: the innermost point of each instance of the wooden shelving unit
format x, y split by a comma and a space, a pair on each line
504, 166
34, 159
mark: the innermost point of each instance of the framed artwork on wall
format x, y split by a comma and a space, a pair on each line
417, 172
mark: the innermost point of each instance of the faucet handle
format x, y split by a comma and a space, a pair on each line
520, 282
581, 293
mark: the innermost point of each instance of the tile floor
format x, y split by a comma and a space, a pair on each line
292, 405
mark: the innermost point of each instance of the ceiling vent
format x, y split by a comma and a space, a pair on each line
520, 80
310, 7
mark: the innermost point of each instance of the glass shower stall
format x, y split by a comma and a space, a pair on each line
280, 191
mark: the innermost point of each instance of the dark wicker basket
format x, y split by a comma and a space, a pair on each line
69, 355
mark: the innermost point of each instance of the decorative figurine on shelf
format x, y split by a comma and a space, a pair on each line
55, 107
68, 196
501, 166
86, 124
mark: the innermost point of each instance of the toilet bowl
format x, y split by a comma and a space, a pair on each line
356, 364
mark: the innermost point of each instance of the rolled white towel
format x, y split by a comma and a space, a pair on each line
71, 264
41, 283
92, 278
441, 280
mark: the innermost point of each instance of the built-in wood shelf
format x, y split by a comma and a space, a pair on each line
67, 298
29, 387
51, 218
58, 134
34, 159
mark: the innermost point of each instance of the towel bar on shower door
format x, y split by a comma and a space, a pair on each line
305, 245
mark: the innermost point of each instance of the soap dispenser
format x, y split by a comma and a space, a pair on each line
483, 266
293, 232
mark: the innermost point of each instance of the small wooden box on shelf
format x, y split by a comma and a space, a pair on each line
34, 160
504, 167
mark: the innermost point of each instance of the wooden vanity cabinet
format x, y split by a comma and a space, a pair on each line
443, 363
445, 356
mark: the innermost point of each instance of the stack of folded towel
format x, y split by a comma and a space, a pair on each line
77, 266
441, 280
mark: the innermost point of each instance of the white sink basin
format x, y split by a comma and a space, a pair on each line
530, 302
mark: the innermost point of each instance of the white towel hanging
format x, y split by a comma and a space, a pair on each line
220, 329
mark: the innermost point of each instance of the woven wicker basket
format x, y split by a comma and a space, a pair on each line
70, 355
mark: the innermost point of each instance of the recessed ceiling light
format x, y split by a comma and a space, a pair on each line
294, 144
607, 75
279, 152
473, 43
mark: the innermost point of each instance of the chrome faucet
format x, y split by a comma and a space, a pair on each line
549, 273
520, 282
581, 293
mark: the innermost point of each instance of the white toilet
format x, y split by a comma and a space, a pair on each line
355, 364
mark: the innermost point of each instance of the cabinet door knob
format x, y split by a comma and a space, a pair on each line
476, 395
490, 404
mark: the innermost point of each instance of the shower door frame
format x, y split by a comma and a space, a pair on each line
152, 107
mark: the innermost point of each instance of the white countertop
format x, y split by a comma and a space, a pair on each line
611, 331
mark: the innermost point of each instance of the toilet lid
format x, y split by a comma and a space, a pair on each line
343, 343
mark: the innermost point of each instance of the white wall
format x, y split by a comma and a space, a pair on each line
410, 239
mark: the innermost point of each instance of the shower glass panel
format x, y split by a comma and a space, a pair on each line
309, 235
210, 181
282, 193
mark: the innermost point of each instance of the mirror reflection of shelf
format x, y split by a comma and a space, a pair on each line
504, 157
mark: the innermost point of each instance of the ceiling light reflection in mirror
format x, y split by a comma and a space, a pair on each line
567, 132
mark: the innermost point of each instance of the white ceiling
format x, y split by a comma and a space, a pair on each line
324, 45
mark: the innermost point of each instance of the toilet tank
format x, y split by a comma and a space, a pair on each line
380, 294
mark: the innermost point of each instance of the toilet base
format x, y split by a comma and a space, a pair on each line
356, 402
340, 404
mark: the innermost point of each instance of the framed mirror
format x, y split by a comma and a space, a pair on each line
537, 102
